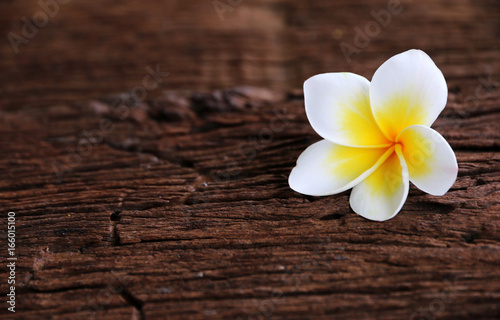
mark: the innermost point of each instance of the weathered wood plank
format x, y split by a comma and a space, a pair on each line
203, 211
177, 206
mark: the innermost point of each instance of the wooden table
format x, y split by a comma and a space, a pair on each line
146, 148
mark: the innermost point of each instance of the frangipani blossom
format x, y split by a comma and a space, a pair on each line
377, 136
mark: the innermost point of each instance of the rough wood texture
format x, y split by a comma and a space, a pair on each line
178, 207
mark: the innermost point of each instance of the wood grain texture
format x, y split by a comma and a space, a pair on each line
177, 206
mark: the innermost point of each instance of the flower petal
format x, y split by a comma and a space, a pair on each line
380, 196
432, 164
338, 108
407, 89
326, 168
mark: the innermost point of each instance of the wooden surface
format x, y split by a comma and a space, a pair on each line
175, 204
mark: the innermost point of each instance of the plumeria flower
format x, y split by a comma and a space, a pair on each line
377, 136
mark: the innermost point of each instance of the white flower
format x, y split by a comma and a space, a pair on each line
377, 136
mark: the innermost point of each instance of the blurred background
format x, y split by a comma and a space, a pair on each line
77, 50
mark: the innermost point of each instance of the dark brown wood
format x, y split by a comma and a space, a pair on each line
177, 205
